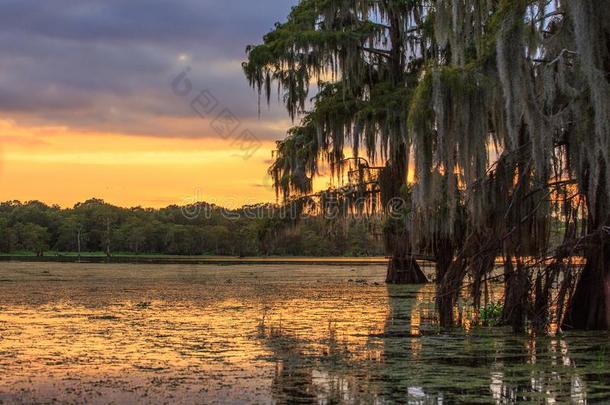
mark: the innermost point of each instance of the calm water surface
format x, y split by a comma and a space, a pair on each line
90, 333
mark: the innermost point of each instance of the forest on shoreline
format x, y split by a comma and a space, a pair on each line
203, 229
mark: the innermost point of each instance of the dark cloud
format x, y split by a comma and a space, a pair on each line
234, 22
108, 64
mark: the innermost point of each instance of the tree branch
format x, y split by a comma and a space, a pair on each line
379, 52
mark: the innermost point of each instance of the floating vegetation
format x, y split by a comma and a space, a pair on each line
275, 338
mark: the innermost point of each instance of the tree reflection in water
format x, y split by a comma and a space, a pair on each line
274, 334
415, 362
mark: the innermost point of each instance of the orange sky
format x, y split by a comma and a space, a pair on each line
62, 166
89, 106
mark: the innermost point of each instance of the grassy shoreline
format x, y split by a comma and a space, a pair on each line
100, 257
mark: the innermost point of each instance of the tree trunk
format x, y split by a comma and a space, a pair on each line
449, 287
448, 291
404, 270
108, 237
516, 296
444, 256
589, 307
78, 243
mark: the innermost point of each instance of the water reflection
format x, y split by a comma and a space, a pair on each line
192, 334
411, 361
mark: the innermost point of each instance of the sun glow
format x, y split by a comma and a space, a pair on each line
63, 166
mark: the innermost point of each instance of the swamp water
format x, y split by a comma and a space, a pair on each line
94, 333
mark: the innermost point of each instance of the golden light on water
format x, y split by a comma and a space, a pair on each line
142, 333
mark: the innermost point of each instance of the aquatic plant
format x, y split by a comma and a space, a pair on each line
491, 314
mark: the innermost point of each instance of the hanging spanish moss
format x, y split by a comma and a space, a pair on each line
501, 108
364, 58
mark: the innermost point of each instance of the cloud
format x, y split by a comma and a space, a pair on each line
106, 65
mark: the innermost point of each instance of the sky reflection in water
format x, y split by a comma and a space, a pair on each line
135, 333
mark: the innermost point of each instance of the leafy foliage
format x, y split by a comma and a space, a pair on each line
501, 106
35, 227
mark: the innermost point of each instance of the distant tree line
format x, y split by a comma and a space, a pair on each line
96, 226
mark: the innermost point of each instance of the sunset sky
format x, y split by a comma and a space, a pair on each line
89, 105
